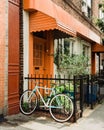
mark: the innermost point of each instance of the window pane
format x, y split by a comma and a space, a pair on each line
101, 14
66, 46
89, 3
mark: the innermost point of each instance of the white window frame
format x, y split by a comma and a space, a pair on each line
101, 14
85, 6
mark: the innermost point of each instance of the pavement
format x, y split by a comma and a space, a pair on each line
91, 120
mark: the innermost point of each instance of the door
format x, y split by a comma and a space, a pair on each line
13, 59
38, 55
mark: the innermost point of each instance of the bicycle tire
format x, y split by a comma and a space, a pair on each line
28, 106
61, 108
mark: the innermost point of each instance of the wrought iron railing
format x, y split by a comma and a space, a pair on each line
74, 86
84, 90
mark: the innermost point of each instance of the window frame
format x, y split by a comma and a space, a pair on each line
101, 14
86, 8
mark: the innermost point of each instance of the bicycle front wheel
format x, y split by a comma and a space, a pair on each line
61, 108
28, 102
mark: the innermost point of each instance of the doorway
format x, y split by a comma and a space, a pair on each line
39, 55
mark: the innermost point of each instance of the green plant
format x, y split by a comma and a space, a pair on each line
100, 21
101, 5
25, 106
100, 24
73, 65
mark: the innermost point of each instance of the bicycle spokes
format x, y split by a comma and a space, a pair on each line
62, 108
28, 102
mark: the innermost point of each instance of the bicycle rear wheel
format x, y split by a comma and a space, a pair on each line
28, 102
61, 108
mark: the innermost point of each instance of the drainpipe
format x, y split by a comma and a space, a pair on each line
99, 65
99, 62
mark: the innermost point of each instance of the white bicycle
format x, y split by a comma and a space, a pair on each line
60, 105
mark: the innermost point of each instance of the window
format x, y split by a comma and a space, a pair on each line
66, 47
101, 14
37, 54
85, 50
86, 8
63, 46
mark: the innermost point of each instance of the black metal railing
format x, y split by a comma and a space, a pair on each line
100, 80
84, 90
74, 86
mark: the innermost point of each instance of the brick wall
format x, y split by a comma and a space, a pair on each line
21, 47
3, 55
73, 7
95, 8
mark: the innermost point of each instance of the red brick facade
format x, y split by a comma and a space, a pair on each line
95, 9
74, 7
3, 52
9, 56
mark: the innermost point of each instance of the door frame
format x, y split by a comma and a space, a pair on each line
40, 68
32, 38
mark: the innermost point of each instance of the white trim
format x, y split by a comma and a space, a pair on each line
26, 47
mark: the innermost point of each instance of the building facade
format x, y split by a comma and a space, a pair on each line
59, 19
30, 33
9, 56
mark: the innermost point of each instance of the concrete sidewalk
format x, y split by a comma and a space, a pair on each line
92, 120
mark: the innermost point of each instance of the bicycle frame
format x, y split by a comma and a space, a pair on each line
36, 89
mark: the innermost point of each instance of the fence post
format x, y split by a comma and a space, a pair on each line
81, 95
91, 92
74, 80
28, 81
88, 90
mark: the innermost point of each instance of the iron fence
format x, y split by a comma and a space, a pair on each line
74, 86
84, 90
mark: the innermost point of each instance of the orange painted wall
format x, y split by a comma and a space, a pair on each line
48, 54
93, 64
48, 50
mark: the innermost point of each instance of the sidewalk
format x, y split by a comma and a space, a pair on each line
92, 120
